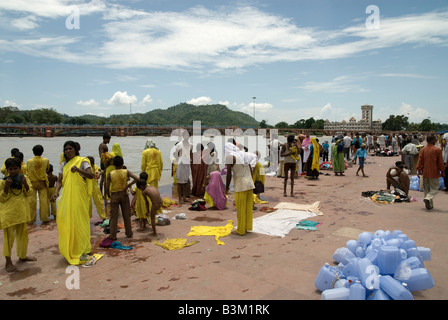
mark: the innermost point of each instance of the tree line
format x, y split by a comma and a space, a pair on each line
185, 114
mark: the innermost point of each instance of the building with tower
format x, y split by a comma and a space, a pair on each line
365, 124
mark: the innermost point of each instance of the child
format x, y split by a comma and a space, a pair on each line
258, 177
14, 212
52, 178
326, 150
117, 191
361, 153
156, 201
139, 205
96, 192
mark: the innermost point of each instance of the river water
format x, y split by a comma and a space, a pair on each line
132, 148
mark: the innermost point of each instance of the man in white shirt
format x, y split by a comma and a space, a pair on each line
409, 151
347, 145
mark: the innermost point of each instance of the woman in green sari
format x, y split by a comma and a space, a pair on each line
338, 156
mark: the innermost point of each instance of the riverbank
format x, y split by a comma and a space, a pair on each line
251, 267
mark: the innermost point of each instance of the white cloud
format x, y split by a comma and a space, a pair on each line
200, 101
204, 40
146, 100
9, 103
88, 103
342, 84
122, 98
259, 107
416, 115
405, 75
26, 23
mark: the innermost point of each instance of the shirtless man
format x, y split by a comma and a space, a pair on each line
156, 201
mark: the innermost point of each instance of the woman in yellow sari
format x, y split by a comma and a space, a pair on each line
116, 151
72, 218
312, 164
152, 163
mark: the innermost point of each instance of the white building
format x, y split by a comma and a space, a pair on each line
365, 124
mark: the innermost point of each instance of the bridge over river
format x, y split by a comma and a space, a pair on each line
52, 130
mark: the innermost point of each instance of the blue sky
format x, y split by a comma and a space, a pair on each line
299, 58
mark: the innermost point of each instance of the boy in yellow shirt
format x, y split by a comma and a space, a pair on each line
37, 173
14, 213
117, 191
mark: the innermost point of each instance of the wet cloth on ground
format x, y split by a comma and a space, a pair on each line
175, 244
218, 232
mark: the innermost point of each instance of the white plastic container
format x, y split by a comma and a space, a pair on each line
394, 288
357, 291
327, 277
420, 279
336, 294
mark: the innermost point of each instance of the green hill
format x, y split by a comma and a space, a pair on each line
209, 115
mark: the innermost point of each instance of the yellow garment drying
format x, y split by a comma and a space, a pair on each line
175, 244
212, 231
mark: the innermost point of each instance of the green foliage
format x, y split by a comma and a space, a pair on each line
396, 123
184, 114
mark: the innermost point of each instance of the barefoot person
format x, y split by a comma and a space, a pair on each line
337, 156
290, 163
361, 153
72, 217
238, 164
14, 212
398, 178
156, 201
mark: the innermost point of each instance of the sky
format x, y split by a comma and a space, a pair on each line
277, 60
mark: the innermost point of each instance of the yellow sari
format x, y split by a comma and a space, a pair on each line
116, 151
72, 216
316, 154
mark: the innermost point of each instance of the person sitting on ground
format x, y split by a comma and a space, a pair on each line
398, 178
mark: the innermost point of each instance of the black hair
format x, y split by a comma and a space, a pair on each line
140, 183
50, 168
106, 135
38, 150
92, 160
399, 164
19, 155
13, 151
143, 175
118, 161
11, 162
290, 138
73, 144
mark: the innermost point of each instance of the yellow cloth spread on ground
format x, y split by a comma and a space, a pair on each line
72, 216
175, 244
212, 231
